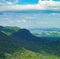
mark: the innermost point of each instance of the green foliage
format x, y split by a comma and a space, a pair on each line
10, 29
11, 49
27, 54
7, 45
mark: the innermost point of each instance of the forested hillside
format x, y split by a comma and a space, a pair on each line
21, 44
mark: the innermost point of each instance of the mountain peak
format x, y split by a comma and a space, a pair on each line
23, 33
1, 27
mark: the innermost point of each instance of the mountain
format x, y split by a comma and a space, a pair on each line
9, 29
1, 27
37, 44
25, 35
7, 45
23, 45
45, 29
30, 11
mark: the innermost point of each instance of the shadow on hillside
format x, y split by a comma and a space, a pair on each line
37, 44
23, 38
8, 45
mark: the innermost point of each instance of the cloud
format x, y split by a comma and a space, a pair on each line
19, 7
21, 21
9, 3
50, 5
40, 6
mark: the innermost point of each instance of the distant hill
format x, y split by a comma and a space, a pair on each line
21, 44
25, 35
9, 29
31, 11
7, 45
1, 28
37, 44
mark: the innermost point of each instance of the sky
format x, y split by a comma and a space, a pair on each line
46, 14
25, 1
22, 1
31, 20
29, 4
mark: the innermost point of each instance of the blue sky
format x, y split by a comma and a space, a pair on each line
25, 1
28, 1
28, 4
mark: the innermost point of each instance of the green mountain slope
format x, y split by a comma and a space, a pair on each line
23, 45
7, 45
38, 45
9, 29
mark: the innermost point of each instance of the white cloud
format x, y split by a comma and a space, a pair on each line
19, 7
50, 5
21, 21
9, 3
40, 6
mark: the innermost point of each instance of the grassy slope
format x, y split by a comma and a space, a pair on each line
38, 48
10, 29
27, 54
7, 45
10, 49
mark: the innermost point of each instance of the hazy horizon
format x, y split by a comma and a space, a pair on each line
31, 20
19, 13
